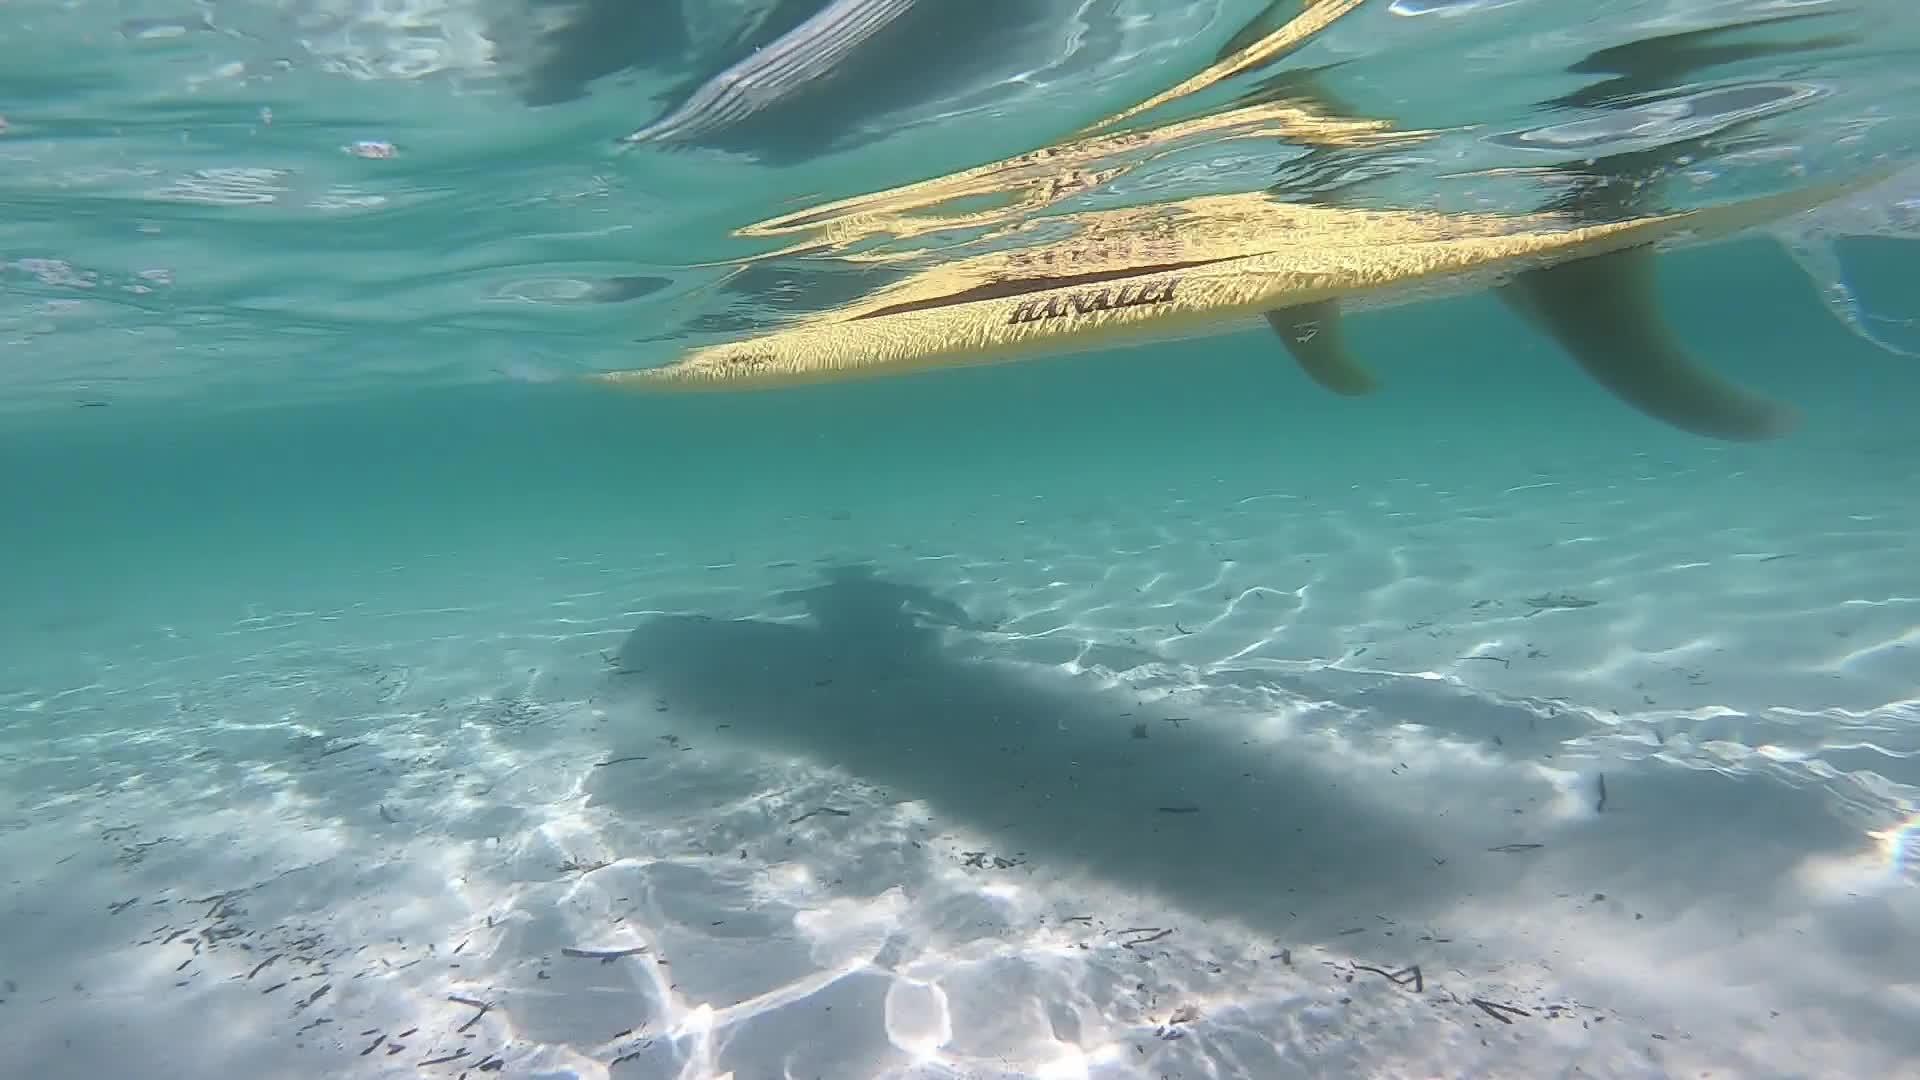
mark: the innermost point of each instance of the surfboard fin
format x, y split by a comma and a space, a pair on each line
1313, 335
1604, 312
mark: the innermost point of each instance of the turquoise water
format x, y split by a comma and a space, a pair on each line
333, 595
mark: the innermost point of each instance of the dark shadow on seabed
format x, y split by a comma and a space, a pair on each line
1046, 764
1049, 764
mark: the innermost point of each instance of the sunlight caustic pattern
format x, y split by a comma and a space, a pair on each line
685, 837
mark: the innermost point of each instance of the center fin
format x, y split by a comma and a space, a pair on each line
1313, 334
1604, 312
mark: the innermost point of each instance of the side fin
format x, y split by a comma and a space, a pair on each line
1603, 311
1313, 335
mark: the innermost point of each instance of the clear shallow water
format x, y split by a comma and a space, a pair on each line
325, 591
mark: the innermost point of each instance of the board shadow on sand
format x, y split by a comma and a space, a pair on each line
1047, 764
1184, 802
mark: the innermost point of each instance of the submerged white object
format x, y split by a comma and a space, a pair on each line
811, 51
1889, 209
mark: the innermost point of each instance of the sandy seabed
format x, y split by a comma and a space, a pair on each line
1563, 777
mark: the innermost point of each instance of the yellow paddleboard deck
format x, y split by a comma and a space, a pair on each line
1050, 283
1199, 266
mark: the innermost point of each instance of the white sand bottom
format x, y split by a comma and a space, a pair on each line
1628, 778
